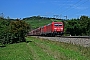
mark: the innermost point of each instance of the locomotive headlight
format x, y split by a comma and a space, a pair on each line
61, 28
55, 28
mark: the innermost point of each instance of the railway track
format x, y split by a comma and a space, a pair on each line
76, 37
79, 40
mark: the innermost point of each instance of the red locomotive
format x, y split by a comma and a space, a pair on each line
52, 29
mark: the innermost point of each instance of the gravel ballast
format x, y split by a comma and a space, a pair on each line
79, 41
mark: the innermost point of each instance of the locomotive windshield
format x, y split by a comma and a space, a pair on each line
57, 24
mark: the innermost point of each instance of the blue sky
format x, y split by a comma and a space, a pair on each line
47, 8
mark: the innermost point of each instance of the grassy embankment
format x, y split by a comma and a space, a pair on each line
41, 49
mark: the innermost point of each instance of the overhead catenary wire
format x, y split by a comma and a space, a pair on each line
70, 6
82, 9
65, 10
74, 5
82, 4
60, 7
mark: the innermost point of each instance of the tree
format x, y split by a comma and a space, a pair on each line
84, 22
12, 31
18, 30
84, 18
78, 26
3, 30
73, 27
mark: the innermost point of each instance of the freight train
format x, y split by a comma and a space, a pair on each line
52, 29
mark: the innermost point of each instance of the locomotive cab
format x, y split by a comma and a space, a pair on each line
58, 28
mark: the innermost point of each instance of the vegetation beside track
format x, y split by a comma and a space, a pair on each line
15, 30
41, 49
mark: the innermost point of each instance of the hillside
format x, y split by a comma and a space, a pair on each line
37, 21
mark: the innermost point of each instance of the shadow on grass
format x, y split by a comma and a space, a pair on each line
28, 41
2, 46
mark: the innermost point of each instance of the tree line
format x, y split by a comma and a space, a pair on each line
13, 31
78, 27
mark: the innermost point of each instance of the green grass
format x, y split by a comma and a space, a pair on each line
38, 23
41, 49
17, 51
35, 23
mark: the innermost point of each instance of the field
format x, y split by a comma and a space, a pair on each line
42, 49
